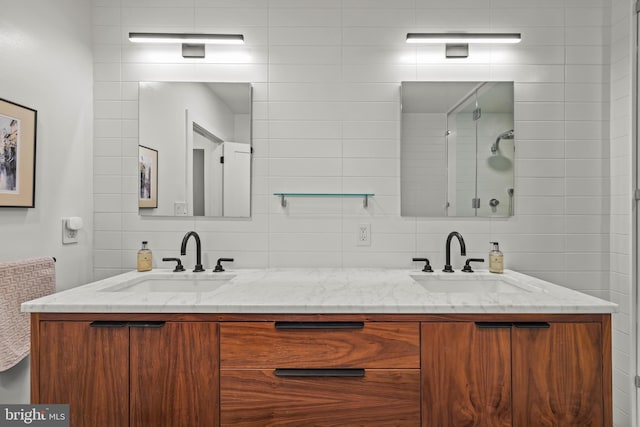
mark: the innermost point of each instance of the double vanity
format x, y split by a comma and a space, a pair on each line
323, 347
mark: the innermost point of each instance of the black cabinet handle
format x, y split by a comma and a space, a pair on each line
120, 324
319, 325
322, 373
521, 325
493, 325
152, 324
107, 324
532, 325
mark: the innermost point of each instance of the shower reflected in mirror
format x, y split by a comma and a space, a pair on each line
457, 149
504, 135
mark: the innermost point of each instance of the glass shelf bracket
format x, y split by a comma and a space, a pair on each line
283, 196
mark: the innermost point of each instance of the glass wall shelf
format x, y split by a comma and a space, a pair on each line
283, 196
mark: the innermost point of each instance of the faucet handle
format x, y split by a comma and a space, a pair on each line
219, 268
467, 265
427, 267
179, 266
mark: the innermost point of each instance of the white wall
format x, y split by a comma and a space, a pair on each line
47, 65
623, 289
326, 119
242, 128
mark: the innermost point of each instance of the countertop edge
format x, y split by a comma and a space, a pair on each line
320, 291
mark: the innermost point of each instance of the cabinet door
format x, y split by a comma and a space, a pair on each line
174, 374
379, 397
557, 375
466, 374
88, 368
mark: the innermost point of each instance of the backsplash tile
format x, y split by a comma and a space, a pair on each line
326, 78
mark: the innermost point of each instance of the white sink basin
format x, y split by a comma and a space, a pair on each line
168, 283
472, 285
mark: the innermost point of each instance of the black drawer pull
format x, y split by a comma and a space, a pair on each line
319, 325
532, 325
107, 324
493, 325
158, 324
324, 373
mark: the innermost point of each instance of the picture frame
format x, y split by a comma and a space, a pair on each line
17, 155
147, 177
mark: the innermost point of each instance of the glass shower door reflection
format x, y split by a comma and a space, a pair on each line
495, 150
463, 165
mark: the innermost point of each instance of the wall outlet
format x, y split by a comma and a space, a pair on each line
179, 208
69, 235
364, 235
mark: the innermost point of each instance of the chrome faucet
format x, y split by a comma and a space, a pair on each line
183, 249
463, 250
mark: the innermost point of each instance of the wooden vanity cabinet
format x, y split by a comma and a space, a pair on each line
320, 373
516, 373
325, 370
128, 373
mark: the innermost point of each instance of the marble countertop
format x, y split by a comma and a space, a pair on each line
331, 291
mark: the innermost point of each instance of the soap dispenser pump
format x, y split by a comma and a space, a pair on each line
496, 259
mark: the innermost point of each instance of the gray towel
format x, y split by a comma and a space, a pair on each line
21, 281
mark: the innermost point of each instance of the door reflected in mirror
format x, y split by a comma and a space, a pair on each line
457, 149
202, 134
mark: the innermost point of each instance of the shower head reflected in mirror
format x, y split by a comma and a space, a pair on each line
504, 135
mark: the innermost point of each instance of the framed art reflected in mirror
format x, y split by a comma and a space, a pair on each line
148, 177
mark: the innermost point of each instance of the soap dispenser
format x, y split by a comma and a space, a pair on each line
144, 257
496, 259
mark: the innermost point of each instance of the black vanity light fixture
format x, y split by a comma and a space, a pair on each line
457, 44
192, 43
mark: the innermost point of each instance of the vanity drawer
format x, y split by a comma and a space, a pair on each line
382, 397
266, 345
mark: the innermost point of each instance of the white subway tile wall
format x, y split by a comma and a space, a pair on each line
326, 78
621, 220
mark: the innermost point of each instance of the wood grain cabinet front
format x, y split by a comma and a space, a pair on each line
85, 367
129, 373
378, 397
320, 374
256, 345
515, 374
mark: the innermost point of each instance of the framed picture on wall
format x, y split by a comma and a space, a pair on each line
148, 177
17, 155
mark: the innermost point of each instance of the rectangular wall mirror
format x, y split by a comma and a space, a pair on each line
200, 135
457, 149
